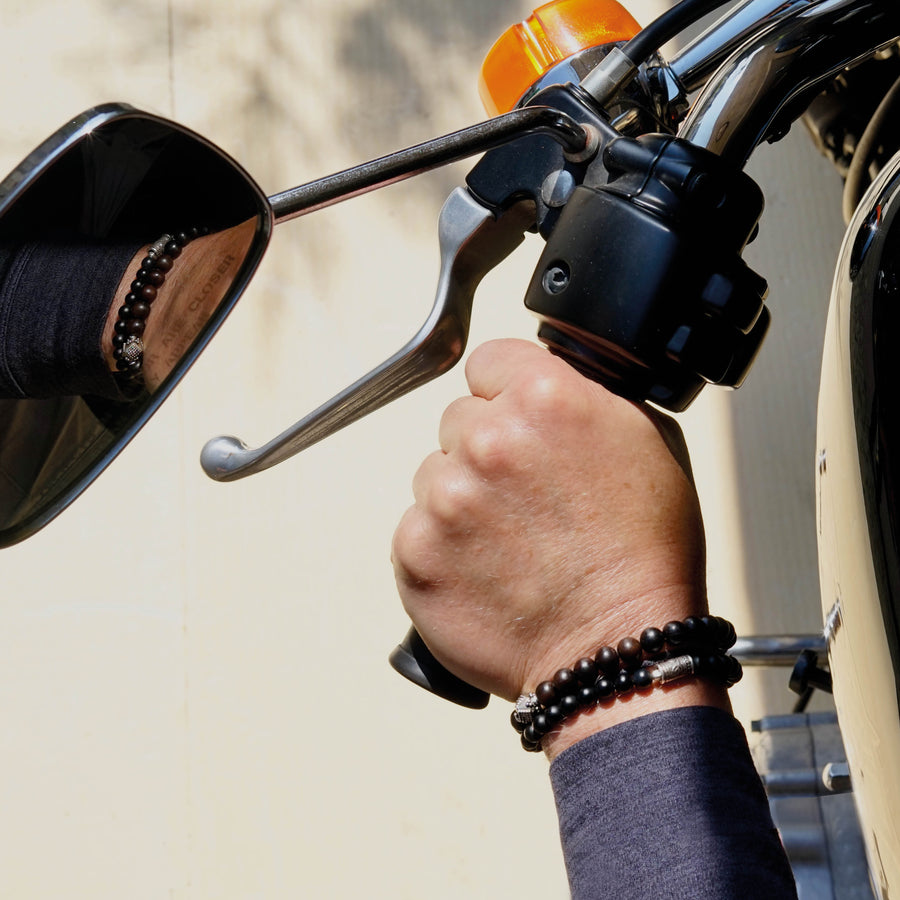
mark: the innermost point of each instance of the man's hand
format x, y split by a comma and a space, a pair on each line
553, 520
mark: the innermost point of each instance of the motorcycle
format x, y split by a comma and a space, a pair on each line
598, 151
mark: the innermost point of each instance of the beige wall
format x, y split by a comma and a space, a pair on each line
195, 696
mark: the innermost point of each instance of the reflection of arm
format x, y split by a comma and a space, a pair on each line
192, 291
59, 303
54, 300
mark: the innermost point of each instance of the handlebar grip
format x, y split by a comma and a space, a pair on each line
413, 660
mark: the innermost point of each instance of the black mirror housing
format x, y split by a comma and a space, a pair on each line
96, 194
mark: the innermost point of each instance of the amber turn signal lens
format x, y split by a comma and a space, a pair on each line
552, 33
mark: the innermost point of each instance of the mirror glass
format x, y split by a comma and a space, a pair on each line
124, 242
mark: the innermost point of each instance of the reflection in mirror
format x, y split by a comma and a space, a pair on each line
124, 242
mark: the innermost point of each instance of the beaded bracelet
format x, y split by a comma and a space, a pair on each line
695, 647
128, 344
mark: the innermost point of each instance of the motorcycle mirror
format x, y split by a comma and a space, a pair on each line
77, 217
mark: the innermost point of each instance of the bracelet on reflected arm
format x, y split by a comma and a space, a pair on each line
128, 343
695, 647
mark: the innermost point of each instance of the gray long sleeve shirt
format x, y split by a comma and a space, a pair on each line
668, 805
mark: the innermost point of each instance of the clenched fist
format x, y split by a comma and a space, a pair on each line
555, 518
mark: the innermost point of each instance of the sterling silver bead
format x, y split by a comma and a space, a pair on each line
526, 707
133, 349
667, 670
157, 247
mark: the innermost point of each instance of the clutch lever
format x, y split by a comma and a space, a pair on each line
473, 241
474, 238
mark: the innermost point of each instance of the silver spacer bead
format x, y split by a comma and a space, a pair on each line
667, 670
526, 707
132, 349
157, 247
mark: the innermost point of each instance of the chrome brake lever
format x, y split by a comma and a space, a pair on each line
473, 241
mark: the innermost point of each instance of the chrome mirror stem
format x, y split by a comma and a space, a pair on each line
429, 155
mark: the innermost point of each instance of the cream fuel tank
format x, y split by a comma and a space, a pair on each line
858, 468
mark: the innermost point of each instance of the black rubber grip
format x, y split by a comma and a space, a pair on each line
413, 660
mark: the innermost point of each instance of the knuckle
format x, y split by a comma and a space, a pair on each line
497, 449
547, 390
450, 501
485, 446
404, 537
411, 549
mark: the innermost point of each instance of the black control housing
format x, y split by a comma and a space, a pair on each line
641, 285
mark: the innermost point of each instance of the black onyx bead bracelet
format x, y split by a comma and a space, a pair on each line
128, 343
695, 647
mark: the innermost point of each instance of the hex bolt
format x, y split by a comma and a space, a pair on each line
836, 778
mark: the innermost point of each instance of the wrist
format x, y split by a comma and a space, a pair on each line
683, 664
603, 622
593, 720
189, 293
107, 345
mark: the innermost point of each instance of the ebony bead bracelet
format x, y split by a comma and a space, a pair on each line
131, 321
695, 647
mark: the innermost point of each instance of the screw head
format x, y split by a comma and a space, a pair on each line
556, 278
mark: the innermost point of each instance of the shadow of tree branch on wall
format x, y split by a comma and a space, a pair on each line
415, 64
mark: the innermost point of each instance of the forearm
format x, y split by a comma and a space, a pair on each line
54, 301
693, 693
556, 520
193, 288
668, 805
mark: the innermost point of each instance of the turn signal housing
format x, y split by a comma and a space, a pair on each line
551, 34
